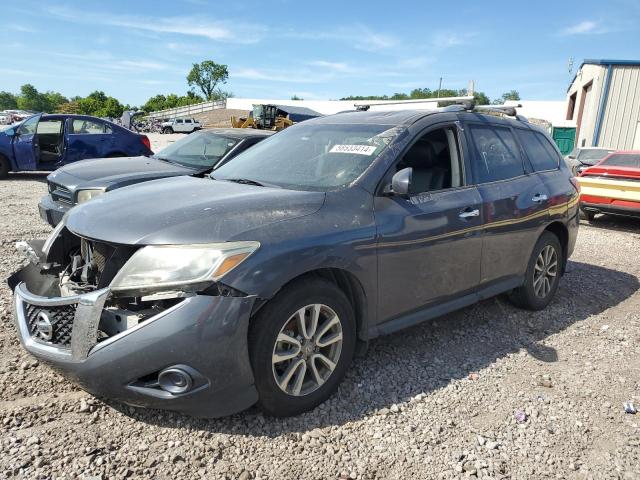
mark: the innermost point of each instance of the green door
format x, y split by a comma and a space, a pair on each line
565, 138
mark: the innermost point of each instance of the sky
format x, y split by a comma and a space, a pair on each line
317, 50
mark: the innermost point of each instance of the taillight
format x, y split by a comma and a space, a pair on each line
575, 183
145, 141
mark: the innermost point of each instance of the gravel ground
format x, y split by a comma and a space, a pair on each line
434, 401
161, 140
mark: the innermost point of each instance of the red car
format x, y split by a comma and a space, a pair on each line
612, 186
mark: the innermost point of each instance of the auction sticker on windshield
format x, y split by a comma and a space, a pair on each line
357, 149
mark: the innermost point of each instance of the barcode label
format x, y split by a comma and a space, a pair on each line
357, 149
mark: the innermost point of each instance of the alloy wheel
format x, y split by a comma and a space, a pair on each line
545, 271
307, 350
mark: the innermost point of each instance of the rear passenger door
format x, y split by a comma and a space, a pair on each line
515, 202
545, 159
87, 138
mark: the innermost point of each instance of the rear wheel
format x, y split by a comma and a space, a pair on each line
543, 274
4, 167
167, 130
301, 344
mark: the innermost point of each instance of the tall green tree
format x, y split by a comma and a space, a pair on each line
161, 102
8, 101
510, 95
31, 99
100, 105
207, 75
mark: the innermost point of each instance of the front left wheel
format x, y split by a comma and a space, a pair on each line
301, 344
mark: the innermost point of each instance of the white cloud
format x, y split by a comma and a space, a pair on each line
278, 75
584, 27
335, 66
199, 26
21, 28
357, 36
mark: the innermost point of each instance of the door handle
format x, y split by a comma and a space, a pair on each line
539, 197
468, 213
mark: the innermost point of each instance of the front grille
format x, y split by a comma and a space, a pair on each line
60, 319
60, 193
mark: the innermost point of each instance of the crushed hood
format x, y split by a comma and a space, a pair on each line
184, 210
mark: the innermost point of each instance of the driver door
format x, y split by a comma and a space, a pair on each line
25, 144
429, 244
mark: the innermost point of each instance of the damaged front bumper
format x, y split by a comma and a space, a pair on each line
202, 336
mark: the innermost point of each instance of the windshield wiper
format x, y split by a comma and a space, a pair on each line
244, 181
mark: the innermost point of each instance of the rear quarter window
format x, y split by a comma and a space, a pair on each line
498, 156
538, 149
88, 127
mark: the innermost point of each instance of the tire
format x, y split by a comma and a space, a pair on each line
115, 155
167, 130
4, 167
532, 295
588, 216
280, 317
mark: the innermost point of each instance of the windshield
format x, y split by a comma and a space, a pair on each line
592, 156
628, 160
311, 156
198, 150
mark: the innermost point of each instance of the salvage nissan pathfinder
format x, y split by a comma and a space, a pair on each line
257, 285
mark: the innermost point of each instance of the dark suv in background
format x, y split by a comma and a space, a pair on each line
207, 295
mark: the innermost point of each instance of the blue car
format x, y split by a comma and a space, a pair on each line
47, 142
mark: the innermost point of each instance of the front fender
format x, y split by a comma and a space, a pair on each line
6, 150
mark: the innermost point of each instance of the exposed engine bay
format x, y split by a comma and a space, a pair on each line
74, 266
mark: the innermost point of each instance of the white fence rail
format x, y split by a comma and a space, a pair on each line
189, 109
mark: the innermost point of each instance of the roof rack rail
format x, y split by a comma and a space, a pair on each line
470, 106
509, 110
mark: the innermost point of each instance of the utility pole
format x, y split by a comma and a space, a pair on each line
439, 88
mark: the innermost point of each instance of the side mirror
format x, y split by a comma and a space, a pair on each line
9, 132
401, 182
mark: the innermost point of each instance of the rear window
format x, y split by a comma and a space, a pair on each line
540, 153
498, 155
591, 156
629, 160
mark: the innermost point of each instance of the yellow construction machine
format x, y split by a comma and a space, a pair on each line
264, 117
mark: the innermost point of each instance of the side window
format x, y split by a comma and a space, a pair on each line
188, 120
537, 148
49, 127
435, 160
29, 126
178, 121
81, 126
498, 156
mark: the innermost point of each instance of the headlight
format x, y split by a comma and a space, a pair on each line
174, 265
86, 195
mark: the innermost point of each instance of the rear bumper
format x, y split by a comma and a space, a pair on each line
614, 207
626, 206
206, 335
51, 211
